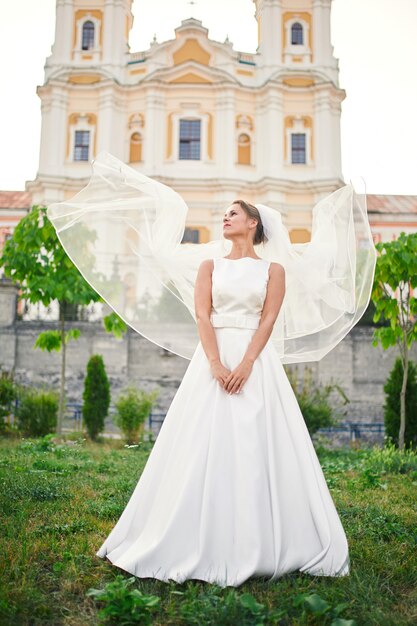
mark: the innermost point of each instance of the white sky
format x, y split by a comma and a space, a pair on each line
374, 40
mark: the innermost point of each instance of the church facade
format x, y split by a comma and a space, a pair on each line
213, 123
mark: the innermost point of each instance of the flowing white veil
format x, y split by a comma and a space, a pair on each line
123, 231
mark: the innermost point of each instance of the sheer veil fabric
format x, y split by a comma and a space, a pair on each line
123, 231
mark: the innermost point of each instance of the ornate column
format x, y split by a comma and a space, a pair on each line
54, 129
62, 46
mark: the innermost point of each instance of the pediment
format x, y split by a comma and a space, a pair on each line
190, 77
191, 50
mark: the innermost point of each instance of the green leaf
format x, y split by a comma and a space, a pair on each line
316, 604
72, 333
395, 269
49, 340
114, 324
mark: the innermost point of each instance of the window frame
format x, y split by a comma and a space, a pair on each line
82, 146
204, 158
88, 21
82, 123
296, 150
190, 139
299, 30
299, 127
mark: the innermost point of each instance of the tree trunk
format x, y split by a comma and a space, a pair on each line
62, 385
402, 400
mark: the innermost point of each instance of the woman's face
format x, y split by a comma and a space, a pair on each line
237, 222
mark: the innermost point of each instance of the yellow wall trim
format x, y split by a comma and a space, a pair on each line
190, 77
141, 70
300, 235
191, 51
298, 81
84, 79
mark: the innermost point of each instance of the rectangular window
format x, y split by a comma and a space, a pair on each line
298, 148
190, 132
81, 145
191, 235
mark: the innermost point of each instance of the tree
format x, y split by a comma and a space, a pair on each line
392, 408
96, 396
393, 295
35, 259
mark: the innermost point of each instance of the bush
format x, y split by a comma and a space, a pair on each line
132, 408
96, 396
314, 401
37, 411
392, 390
7, 396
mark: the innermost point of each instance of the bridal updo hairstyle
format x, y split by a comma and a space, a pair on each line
252, 211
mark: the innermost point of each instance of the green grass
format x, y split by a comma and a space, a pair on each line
58, 502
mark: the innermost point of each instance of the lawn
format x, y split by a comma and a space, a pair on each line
59, 500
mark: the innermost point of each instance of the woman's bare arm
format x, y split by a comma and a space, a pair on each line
203, 306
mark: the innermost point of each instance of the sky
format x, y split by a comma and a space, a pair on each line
374, 41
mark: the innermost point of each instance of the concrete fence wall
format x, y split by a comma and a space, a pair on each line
358, 367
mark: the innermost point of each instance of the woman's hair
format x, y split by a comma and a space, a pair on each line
252, 211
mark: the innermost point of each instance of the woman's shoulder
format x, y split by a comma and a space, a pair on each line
277, 267
206, 265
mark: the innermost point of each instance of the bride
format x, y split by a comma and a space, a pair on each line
243, 226
233, 487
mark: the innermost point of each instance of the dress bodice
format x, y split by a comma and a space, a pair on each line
238, 291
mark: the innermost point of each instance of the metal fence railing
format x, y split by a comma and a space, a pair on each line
73, 418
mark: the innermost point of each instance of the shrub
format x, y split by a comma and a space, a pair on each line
37, 411
96, 396
132, 408
313, 400
7, 396
392, 389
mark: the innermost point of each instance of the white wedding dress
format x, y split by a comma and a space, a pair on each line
233, 487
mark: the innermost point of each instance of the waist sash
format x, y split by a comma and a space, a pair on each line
219, 320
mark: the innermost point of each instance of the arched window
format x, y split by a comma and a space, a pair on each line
135, 154
88, 36
297, 34
243, 149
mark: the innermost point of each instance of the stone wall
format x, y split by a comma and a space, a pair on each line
358, 367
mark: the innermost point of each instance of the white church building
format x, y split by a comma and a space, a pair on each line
214, 123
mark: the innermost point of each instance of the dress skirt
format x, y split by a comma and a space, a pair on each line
233, 487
